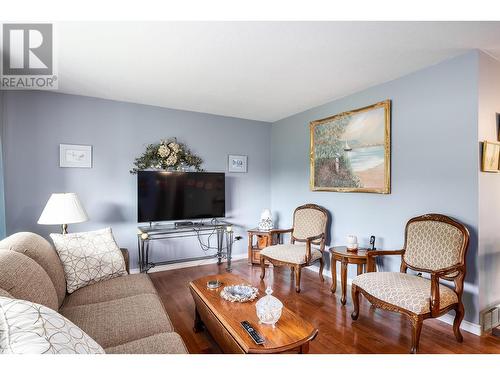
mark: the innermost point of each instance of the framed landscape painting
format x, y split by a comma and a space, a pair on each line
351, 151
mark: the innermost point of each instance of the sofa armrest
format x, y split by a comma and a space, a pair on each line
126, 259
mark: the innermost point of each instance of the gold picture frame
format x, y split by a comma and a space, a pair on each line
351, 151
491, 157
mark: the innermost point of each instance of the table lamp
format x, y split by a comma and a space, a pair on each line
63, 209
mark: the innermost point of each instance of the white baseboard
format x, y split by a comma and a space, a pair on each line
193, 263
448, 318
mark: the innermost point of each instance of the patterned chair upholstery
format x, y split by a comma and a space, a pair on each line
306, 246
434, 244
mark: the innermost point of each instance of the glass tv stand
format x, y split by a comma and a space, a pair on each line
158, 232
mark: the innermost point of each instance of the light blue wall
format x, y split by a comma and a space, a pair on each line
434, 161
37, 122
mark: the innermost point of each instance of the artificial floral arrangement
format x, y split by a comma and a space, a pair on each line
169, 155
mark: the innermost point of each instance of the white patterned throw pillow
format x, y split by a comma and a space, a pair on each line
30, 328
89, 257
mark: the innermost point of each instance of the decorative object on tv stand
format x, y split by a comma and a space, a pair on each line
239, 293
237, 163
75, 156
269, 308
169, 155
352, 243
63, 209
266, 220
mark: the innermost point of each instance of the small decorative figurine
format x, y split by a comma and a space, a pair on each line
372, 243
266, 220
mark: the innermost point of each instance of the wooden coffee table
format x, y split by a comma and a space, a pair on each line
222, 319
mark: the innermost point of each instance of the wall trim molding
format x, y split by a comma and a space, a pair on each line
447, 318
193, 263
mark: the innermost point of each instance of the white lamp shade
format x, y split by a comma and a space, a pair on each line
63, 208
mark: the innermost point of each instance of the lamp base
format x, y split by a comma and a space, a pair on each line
64, 228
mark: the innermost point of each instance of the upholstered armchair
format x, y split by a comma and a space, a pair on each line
436, 245
306, 246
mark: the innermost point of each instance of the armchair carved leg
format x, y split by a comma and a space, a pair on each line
459, 315
416, 323
355, 302
262, 267
321, 265
297, 278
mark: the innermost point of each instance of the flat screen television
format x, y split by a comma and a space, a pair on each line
167, 196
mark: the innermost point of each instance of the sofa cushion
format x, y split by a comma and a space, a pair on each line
119, 321
42, 252
30, 328
409, 292
23, 278
119, 287
89, 257
162, 343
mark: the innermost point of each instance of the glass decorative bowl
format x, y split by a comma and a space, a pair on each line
239, 293
269, 308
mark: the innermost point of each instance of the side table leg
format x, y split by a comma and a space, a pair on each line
343, 277
360, 269
333, 266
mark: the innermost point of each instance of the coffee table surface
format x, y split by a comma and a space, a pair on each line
290, 332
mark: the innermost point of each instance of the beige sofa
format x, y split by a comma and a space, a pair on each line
123, 315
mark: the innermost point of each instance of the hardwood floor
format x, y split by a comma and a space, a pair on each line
376, 331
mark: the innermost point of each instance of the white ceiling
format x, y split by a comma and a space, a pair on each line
255, 70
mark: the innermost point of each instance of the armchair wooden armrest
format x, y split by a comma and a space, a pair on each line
435, 295
126, 258
309, 240
370, 254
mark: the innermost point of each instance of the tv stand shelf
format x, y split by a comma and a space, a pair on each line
157, 232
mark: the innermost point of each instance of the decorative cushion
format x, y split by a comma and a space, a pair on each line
23, 278
409, 292
89, 257
308, 222
42, 252
30, 328
433, 245
291, 253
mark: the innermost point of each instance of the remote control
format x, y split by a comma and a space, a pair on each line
258, 339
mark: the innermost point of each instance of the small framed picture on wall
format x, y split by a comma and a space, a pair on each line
75, 156
491, 157
237, 163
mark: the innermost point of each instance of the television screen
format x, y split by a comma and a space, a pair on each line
164, 196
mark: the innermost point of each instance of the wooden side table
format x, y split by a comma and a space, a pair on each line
259, 239
340, 254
